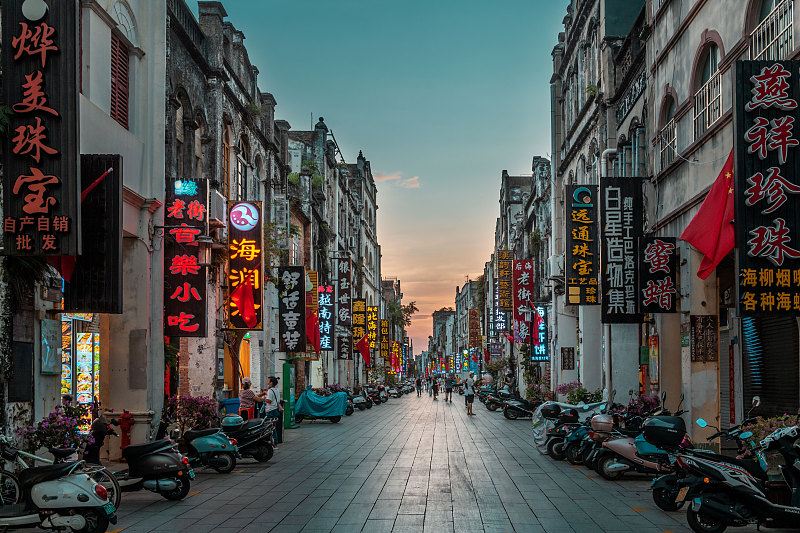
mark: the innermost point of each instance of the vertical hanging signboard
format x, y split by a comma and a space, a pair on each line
504, 300
185, 217
474, 328
344, 289
245, 266
359, 316
523, 283
292, 308
372, 327
767, 188
41, 185
621, 222
325, 301
541, 350
582, 255
384, 339
657, 275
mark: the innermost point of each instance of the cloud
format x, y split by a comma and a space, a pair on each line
397, 178
410, 183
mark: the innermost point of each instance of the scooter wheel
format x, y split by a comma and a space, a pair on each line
298, 418
369, 406
361, 407
180, 491
665, 499
573, 454
334, 419
602, 467
96, 522
555, 449
509, 414
492, 406
264, 453
230, 462
349, 410
703, 524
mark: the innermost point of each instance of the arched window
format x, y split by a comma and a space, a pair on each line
179, 140
226, 162
243, 154
771, 37
708, 90
668, 141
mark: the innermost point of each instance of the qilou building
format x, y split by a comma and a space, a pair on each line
648, 114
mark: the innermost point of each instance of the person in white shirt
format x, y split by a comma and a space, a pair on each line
273, 407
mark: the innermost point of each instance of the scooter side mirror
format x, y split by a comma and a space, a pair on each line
746, 435
756, 401
702, 423
174, 434
586, 407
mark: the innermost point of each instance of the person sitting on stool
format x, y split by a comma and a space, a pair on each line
248, 397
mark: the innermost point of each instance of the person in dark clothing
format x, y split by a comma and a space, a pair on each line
435, 388
419, 386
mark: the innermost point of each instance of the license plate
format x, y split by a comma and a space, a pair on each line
681, 494
109, 509
190, 473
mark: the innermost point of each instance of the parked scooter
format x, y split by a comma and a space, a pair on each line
383, 393
210, 447
253, 437
358, 401
156, 466
27, 502
515, 408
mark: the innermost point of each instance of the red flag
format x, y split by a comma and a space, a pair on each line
509, 337
363, 348
242, 297
475, 356
711, 230
312, 329
486, 355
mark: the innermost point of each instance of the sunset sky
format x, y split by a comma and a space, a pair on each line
440, 95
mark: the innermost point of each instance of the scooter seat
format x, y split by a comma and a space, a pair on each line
752, 467
61, 453
192, 434
38, 474
133, 451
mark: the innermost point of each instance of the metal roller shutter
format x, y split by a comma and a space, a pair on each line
770, 366
724, 372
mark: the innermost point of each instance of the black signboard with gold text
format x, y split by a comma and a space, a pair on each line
41, 186
582, 254
767, 188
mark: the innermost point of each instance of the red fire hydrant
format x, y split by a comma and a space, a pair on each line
125, 423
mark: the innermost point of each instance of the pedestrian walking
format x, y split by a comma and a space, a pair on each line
448, 388
435, 388
419, 387
429, 386
469, 393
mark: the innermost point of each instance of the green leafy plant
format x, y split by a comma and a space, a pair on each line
317, 181
253, 108
293, 178
495, 366
592, 89
309, 166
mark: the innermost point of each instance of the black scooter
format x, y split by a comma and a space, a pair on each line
156, 466
514, 408
253, 437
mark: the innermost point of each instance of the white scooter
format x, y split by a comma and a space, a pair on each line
56, 497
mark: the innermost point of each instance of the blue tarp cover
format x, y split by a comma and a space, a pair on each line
311, 403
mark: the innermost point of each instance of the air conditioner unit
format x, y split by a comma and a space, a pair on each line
557, 265
217, 208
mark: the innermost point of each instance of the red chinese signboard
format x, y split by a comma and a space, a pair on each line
766, 186
245, 268
185, 218
474, 328
658, 265
522, 273
42, 183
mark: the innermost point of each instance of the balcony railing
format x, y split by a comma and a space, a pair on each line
772, 38
669, 144
707, 104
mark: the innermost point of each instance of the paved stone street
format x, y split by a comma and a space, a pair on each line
409, 465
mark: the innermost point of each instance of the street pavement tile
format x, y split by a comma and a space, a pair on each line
409, 466
378, 526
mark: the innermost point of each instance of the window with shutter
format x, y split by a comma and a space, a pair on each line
119, 81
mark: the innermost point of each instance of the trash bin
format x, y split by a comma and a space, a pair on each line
231, 406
